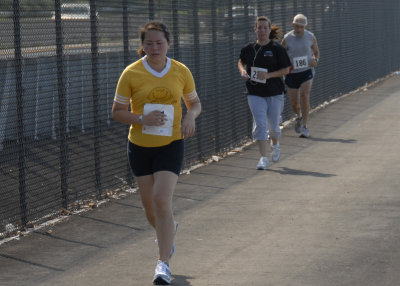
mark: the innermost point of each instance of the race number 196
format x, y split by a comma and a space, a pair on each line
300, 62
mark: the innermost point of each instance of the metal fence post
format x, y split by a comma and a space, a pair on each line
233, 67
61, 107
95, 91
20, 114
246, 16
175, 28
151, 10
260, 8
283, 15
125, 35
216, 78
125, 31
196, 48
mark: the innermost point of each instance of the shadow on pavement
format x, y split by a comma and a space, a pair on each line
347, 141
31, 263
289, 171
181, 280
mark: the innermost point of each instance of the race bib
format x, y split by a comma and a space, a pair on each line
300, 62
164, 130
254, 74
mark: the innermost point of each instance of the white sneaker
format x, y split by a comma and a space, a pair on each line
162, 274
276, 152
304, 132
262, 164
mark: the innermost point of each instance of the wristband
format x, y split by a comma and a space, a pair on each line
140, 119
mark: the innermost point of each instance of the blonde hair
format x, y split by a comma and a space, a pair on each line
302, 18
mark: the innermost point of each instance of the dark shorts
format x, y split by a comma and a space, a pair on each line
148, 160
295, 80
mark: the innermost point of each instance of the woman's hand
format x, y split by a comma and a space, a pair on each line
188, 126
244, 75
154, 118
263, 75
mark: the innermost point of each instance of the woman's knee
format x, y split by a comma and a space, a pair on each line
260, 133
275, 134
162, 203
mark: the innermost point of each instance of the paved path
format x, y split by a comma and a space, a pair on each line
327, 214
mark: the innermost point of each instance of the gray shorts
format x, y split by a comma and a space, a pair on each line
266, 113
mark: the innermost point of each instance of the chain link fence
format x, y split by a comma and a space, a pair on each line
60, 63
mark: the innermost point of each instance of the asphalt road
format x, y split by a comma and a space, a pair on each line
327, 214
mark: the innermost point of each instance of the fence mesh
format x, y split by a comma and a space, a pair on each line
60, 63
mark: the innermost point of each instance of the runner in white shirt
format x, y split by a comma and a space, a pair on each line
302, 48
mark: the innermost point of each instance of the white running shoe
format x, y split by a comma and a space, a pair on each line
162, 274
297, 124
262, 164
276, 152
305, 133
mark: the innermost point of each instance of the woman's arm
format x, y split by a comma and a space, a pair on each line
193, 106
121, 113
242, 70
278, 73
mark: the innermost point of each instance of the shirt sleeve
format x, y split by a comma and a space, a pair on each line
123, 92
243, 54
189, 86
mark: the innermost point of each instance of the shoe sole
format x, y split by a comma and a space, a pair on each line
304, 136
160, 281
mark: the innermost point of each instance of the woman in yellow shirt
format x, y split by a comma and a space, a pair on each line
154, 87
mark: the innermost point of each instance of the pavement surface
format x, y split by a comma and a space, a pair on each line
327, 214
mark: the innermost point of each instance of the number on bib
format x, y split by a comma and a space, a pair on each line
254, 74
300, 62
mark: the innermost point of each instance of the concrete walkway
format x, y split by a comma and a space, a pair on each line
327, 214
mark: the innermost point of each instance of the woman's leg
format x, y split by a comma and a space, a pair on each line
145, 184
274, 112
258, 108
156, 192
163, 190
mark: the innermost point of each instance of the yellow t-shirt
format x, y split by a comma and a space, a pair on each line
140, 84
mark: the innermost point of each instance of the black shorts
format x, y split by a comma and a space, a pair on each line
148, 160
295, 80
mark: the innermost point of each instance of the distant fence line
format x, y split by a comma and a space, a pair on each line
59, 146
